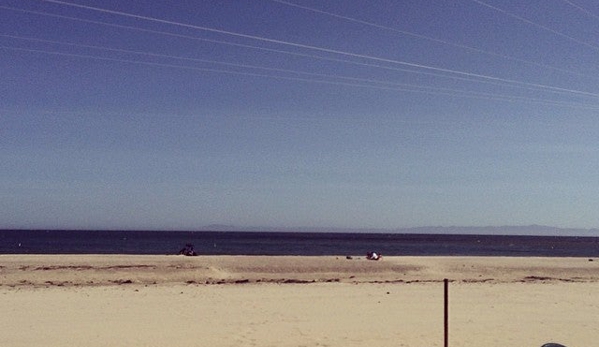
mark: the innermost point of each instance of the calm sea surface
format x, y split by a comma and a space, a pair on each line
290, 243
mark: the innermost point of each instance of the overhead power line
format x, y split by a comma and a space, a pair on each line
356, 83
272, 50
581, 9
320, 49
246, 66
425, 37
537, 25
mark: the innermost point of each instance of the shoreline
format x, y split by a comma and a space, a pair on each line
103, 270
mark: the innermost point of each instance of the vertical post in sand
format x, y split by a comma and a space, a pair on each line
446, 312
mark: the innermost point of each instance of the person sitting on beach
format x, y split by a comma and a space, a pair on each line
373, 256
188, 250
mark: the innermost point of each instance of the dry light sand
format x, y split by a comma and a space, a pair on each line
214, 301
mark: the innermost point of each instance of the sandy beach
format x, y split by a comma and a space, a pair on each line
116, 300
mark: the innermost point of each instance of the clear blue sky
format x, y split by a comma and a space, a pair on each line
364, 114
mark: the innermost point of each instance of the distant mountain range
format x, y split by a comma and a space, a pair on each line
536, 230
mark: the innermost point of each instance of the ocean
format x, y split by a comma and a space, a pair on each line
291, 243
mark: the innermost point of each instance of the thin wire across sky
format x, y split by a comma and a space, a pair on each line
332, 55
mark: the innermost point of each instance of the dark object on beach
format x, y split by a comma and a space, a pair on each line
349, 257
188, 250
551, 344
373, 256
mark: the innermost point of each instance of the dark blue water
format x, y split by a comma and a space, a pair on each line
291, 243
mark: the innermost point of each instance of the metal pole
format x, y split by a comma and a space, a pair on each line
446, 311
